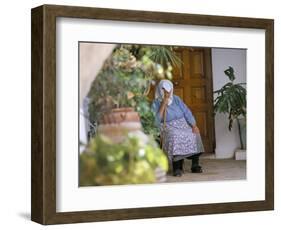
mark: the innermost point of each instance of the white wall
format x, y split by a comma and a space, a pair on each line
227, 141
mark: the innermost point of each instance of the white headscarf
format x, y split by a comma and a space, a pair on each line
159, 92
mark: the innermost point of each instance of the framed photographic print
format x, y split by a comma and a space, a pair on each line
139, 114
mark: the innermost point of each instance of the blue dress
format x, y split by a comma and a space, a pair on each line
178, 139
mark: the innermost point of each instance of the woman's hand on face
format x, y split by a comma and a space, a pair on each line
195, 129
165, 101
166, 97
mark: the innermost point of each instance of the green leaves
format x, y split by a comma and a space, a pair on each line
164, 55
125, 79
231, 99
129, 162
230, 73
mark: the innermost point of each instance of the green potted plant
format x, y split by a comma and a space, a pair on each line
121, 153
124, 82
132, 161
231, 99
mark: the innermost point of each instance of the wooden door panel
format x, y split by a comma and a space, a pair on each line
197, 64
178, 70
201, 119
198, 95
179, 91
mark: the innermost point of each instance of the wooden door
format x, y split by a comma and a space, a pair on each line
193, 83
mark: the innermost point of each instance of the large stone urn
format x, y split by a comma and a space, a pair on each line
119, 122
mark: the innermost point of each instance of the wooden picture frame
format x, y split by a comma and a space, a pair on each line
43, 170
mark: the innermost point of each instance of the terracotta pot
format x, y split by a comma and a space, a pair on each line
119, 122
116, 116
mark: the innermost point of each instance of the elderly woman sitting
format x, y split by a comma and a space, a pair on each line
180, 136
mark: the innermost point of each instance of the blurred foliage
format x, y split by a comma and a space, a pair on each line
231, 98
125, 80
130, 162
163, 55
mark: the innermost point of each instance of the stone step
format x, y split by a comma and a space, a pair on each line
240, 154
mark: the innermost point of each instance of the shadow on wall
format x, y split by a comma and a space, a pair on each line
226, 141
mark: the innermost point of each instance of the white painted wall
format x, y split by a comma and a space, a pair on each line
226, 141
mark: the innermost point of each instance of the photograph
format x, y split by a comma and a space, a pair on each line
151, 113
145, 114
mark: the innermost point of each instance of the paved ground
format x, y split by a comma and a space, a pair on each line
213, 170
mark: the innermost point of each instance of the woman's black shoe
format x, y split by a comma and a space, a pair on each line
177, 172
196, 169
177, 168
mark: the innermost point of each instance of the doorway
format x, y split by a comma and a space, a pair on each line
193, 83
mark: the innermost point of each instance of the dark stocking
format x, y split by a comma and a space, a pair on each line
195, 167
195, 161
